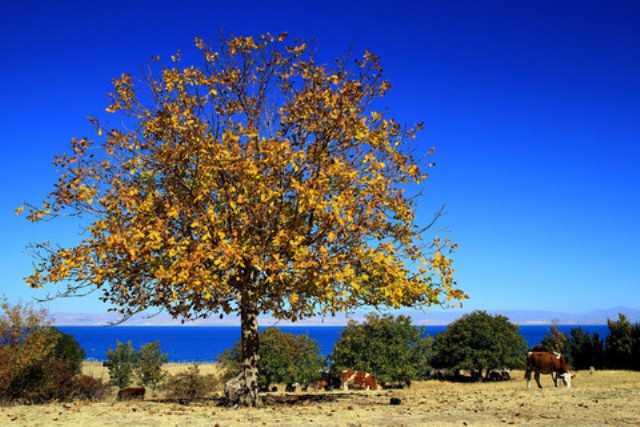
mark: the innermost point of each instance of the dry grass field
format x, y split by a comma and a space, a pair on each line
605, 398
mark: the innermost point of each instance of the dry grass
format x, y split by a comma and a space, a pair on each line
606, 398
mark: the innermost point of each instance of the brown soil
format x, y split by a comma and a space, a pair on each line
604, 398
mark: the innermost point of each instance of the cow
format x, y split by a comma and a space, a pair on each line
320, 385
360, 379
543, 362
291, 387
131, 393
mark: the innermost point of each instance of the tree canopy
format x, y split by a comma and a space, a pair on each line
479, 341
259, 181
392, 349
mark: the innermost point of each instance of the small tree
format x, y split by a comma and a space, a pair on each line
556, 341
619, 345
284, 358
122, 364
391, 349
479, 341
68, 350
150, 361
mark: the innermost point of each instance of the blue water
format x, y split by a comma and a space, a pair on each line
204, 343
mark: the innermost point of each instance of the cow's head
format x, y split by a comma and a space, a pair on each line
566, 378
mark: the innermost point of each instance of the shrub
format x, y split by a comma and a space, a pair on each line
68, 350
86, 387
284, 358
479, 341
122, 364
189, 385
25, 344
391, 349
150, 361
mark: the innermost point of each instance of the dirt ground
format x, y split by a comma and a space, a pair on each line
604, 398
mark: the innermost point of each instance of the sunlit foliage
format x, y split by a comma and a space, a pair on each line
259, 181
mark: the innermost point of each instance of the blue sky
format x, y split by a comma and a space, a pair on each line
533, 107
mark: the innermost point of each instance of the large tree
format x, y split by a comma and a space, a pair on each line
259, 181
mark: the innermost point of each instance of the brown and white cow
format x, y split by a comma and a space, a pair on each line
544, 362
360, 379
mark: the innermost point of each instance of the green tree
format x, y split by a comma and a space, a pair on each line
479, 341
257, 181
122, 364
284, 358
68, 350
619, 345
392, 349
149, 366
586, 350
556, 341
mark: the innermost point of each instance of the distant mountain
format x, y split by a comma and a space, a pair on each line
521, 317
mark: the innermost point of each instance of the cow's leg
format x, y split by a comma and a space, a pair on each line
555, 379
527, 376
537, 377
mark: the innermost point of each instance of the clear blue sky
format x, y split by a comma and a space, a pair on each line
533, 107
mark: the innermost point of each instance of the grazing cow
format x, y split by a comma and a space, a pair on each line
360, 379
543, 362
131, 393
321, 384
292, 387
498, 375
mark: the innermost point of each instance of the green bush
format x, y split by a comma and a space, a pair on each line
68, 350
122, 364
149, 368
391, 349
479, 341
284, 358
189, 385
622, 344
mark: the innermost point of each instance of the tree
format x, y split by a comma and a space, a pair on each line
479, 341
149, 367
68, 350
556, 341
284, 358
392, 349
586, 350
619, 344
260, 181
122, 364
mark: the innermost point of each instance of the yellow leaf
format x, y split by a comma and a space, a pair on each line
19, 210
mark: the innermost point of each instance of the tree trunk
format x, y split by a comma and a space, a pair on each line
243, 390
